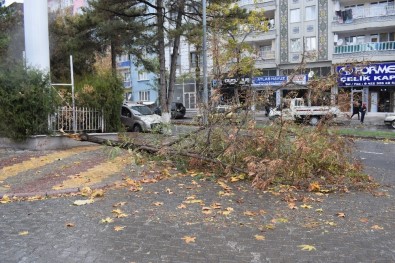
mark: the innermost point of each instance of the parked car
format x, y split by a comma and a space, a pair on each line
390, 120
137, 117
177, 110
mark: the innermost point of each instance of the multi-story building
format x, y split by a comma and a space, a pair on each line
335, 34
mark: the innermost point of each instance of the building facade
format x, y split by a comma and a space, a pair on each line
337, 33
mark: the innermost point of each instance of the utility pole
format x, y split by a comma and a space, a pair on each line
205, 89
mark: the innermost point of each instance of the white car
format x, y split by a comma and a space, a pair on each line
390, 120
139, 118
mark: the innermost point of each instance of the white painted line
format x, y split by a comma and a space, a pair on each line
370, 152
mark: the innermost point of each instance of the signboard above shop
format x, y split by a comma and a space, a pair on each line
278, 80
382, 74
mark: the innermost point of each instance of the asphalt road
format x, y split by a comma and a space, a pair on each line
186, 219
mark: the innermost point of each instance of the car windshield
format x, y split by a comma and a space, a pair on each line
141, 110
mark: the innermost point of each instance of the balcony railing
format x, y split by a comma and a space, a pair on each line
266, 55
252, 2
365, 12
366, 47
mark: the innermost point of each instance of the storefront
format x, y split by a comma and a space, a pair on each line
373, 84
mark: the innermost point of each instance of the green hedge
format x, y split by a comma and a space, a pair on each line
26, 99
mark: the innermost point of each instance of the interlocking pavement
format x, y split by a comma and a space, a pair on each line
190, 218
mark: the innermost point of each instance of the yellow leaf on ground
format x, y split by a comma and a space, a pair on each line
314, 187
307, 247
259, 237
306, 206
319, 210
249, 213
5, 199
83, 202
377, 227
23, 233
107, 220
86, 191
189, 239
206, 210
292, 206
343, 215
119, 228
119, 204
97, 193
122, 215
117, 211
216, 205
182, 206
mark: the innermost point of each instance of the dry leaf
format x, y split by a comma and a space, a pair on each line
306, 206
307, 247
118, 228
377, 227
117, 211
182, 206
107, 220
189, 239
169, 191
5, 199
216, 206
206, 210
122, 215
343, 215
83, 202
249, 213
86, 191
259, 237
119, 204
292, 206
314, 187
364, 220
23, 233
97, 193
158, 203
70, 225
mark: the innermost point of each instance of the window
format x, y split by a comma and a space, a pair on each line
194, 59
142, 75
354, 40
311, 43
144, 95
386, 37
296, 45
126, 76
295, 15
374, 38
310, 13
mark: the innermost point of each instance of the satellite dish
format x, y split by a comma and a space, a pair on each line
340, 42
311, 74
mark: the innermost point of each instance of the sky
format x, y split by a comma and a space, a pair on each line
8, 2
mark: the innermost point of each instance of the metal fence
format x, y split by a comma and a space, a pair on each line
374, 46
86, 119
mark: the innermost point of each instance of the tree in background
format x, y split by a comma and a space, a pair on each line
11, 34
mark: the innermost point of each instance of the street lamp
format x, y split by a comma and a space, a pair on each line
205, 89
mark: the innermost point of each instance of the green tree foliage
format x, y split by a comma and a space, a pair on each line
11, 34
26, 99
72, 35
102, 91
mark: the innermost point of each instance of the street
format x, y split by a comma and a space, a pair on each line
189, 219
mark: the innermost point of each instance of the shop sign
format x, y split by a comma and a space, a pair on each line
278, 80
234, 81
371, 75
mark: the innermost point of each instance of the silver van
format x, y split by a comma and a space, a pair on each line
137, 117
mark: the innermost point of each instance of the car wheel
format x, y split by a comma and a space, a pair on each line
314, 121
393, 124
137, 128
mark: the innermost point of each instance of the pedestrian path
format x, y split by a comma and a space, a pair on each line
25, 173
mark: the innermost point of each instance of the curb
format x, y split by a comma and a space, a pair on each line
52, 193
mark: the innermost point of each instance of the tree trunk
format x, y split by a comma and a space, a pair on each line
162, 62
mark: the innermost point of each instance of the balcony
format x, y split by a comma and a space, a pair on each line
267, 4
366, 47
257, 36
362, 18
265, 59
377, 51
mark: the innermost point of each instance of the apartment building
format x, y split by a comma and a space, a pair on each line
334, 34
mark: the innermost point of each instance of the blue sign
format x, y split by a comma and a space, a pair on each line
269, 80
370, 75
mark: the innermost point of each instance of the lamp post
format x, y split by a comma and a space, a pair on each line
205, 89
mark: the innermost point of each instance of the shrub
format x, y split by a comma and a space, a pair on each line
26, 99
